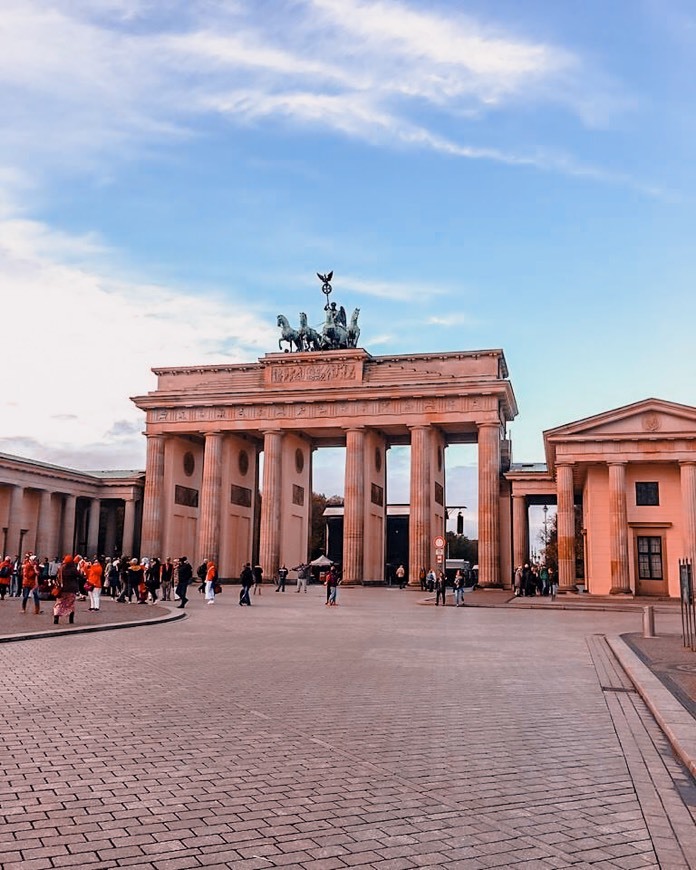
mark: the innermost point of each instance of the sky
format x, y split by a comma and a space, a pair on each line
477, 175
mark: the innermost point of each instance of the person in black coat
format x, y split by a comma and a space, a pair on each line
246, 578
185, 576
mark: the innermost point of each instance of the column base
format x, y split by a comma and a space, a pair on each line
617, 590
494, 585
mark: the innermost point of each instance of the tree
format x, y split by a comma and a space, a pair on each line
550, 543
461, 547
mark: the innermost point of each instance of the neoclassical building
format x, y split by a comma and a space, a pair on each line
229, 473
629, 476
50, 510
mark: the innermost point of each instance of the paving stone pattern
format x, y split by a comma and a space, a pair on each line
376, 734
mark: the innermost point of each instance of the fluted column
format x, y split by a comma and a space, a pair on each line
489, 504
566, 528
688, 491
209, 516
419, 544
520, 535
68, 532
618, 529
151, 543
269, 541
128, 537
93, 531
16, 518
354, 510
44, 526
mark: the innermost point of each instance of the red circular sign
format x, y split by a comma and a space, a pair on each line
439, 542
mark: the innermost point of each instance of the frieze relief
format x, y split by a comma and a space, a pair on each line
324, 372
326, 410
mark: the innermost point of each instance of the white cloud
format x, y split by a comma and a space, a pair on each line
83, 80
79, 341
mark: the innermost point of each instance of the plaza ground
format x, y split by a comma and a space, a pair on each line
383, 733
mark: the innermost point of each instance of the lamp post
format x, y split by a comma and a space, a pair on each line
546, 534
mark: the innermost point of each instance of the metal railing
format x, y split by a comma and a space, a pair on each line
688, 605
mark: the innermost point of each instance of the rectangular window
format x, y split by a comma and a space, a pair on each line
647, 494
240, 495
649, 558
297, 494
377, 495
186, 496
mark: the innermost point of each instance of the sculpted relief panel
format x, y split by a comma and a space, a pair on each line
323, 373
325, 410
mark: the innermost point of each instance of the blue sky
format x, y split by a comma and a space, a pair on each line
172, 175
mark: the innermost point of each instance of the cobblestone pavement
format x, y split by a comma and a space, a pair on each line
375, 734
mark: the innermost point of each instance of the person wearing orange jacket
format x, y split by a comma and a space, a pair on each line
5, 576
30, 582
95, 574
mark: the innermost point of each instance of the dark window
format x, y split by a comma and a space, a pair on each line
240, 495
186, 496
439, 494
649, 558
647, 494
297, 494
377, 495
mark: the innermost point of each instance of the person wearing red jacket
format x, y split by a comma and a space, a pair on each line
30, 582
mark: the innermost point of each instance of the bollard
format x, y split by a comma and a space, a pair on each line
649, 621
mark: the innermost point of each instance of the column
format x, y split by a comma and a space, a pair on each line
16, 518
520, 534
618, 529
269, 542
489, 504
211, 485
688, 489
128, 537
93, 530
354, 510
151, 543
566, 528
419, 543
68, 532
44, 527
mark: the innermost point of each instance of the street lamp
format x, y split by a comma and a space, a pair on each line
546, 534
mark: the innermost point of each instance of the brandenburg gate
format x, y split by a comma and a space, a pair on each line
207, 427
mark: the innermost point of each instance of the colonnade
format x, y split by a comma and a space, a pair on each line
364, 499
619, 527
44, 521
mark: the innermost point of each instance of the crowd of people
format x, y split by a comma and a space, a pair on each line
535, 579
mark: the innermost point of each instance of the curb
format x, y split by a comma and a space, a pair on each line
673, 718
87, 629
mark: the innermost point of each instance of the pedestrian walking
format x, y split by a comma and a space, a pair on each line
68, 585
440, 588
553, 584
282, 577
153, 578
332, 581
95, 574
6, 576
185, 574
30, 583
459, 589
166, 577
246, 578
211, 577
401, 576
257, 575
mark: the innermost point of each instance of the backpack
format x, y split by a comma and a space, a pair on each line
202, 570
5, 571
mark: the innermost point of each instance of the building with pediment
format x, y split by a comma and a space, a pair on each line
229, 473
630, 476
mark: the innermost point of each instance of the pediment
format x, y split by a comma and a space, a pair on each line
648, 418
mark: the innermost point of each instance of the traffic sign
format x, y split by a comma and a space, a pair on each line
439, 542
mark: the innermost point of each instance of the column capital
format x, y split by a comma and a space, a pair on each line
419, 427
685, 463
617, 462
489, 424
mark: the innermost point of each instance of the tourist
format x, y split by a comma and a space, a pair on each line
210, 581
152, 578
528, 587
15, 584
69, 585
95, 573
553, 584
517, 582
257, 573
440, 588
544, 579
332, 582
246, 578
302, 572
185, 576
459, 589
201, 572
6, 577
166, 577
430, 580
401, 576
422, 579
282, 577
112, 582
134, 576
30, 582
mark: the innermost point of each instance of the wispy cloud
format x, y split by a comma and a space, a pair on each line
84, 79
86, 338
